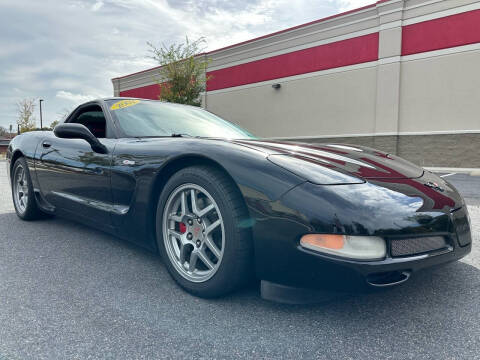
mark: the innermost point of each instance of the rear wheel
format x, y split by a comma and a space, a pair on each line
22, 192
199, 232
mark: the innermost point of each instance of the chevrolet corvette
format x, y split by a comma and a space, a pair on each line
223, 207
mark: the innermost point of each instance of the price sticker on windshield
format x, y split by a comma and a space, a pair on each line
123, 104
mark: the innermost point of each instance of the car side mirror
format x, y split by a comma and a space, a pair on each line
79, 131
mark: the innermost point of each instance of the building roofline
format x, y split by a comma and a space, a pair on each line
374, 4
295, 27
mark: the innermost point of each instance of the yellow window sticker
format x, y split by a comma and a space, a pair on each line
123, 104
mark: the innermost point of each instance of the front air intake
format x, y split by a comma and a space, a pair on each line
416, 246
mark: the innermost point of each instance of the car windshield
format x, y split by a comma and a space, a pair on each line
143, 118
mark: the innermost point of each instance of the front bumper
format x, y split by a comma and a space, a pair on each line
355, 275
281, 259
313, 270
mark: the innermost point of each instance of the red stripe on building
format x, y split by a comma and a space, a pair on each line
443, 33
341, 53
144, 92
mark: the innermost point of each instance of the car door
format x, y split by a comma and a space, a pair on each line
72, 176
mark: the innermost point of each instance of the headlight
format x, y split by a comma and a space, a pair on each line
313, 171
352, 247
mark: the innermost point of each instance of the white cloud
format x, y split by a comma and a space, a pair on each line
97, 6
76, 99
345, 5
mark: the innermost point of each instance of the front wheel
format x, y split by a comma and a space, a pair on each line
22, 192
200, 234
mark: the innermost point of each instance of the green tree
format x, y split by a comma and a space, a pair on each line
182, 71
54, 123
3, 131
25, 117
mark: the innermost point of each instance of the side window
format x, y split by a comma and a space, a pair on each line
92, 117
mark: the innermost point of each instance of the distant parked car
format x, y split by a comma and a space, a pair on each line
221, 205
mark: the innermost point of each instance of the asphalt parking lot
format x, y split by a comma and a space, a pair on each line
68, 291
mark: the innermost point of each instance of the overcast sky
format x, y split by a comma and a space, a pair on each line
66, 51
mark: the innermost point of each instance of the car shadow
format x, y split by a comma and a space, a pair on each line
68, 262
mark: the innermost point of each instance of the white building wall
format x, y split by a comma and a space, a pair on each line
318, 105
441, 93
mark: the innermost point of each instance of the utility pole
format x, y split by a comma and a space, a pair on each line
41, 120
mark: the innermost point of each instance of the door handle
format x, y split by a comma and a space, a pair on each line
46, 144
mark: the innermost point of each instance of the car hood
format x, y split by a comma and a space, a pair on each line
359, 161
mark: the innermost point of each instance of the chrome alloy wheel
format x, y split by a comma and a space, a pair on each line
193, 232
20, 189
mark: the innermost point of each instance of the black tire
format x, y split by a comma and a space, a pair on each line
236, 267
31, 210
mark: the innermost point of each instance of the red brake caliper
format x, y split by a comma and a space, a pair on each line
182, 228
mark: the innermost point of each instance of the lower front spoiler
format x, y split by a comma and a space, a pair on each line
294, 295
337, 277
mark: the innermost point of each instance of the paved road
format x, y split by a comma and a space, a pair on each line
67, 291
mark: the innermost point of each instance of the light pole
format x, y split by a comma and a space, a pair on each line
41, 120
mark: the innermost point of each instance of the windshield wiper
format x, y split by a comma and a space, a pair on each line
167, 136
180, 135
164, 136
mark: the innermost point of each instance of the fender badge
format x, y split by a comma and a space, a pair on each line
434, 186
128, 162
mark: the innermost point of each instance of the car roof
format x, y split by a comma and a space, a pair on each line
141, 99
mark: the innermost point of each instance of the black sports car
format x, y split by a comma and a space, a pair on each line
222, 207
